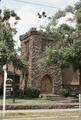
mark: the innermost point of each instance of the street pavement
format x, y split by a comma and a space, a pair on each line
40, 110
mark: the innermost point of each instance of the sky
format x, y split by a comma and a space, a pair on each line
28, 13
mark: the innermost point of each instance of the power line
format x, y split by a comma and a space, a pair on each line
38, 4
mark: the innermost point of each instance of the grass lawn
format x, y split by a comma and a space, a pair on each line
39, 101
40, 115
28, 102
44, 116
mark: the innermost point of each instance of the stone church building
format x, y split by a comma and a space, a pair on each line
48, 80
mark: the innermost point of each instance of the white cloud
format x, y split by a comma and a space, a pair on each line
29, 16
28, 13
62, 3
28, 19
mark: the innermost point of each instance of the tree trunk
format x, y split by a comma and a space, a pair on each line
14, 86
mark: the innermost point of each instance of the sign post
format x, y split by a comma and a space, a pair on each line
80, 101
4, 88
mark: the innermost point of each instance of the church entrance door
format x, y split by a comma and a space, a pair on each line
46, 85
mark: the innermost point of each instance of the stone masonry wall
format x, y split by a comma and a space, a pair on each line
38, 42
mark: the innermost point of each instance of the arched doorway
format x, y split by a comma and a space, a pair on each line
46, 85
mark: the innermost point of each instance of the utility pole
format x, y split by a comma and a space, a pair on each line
4, 88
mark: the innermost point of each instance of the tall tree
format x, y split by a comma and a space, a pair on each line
67, 49
6, 34
7, 43
8, 54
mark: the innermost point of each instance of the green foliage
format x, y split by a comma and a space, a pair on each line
6, 14
8, 54
20, 94
78, 14
64, 91
60, 14
70, 9
67, 40
31, 93
6, 35
18, 62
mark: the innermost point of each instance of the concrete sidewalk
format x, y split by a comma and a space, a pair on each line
40, 110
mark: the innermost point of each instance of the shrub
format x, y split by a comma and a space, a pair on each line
21, 93
32, 93
64, 91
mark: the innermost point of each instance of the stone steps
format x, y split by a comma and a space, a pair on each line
52, 97
59, 98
